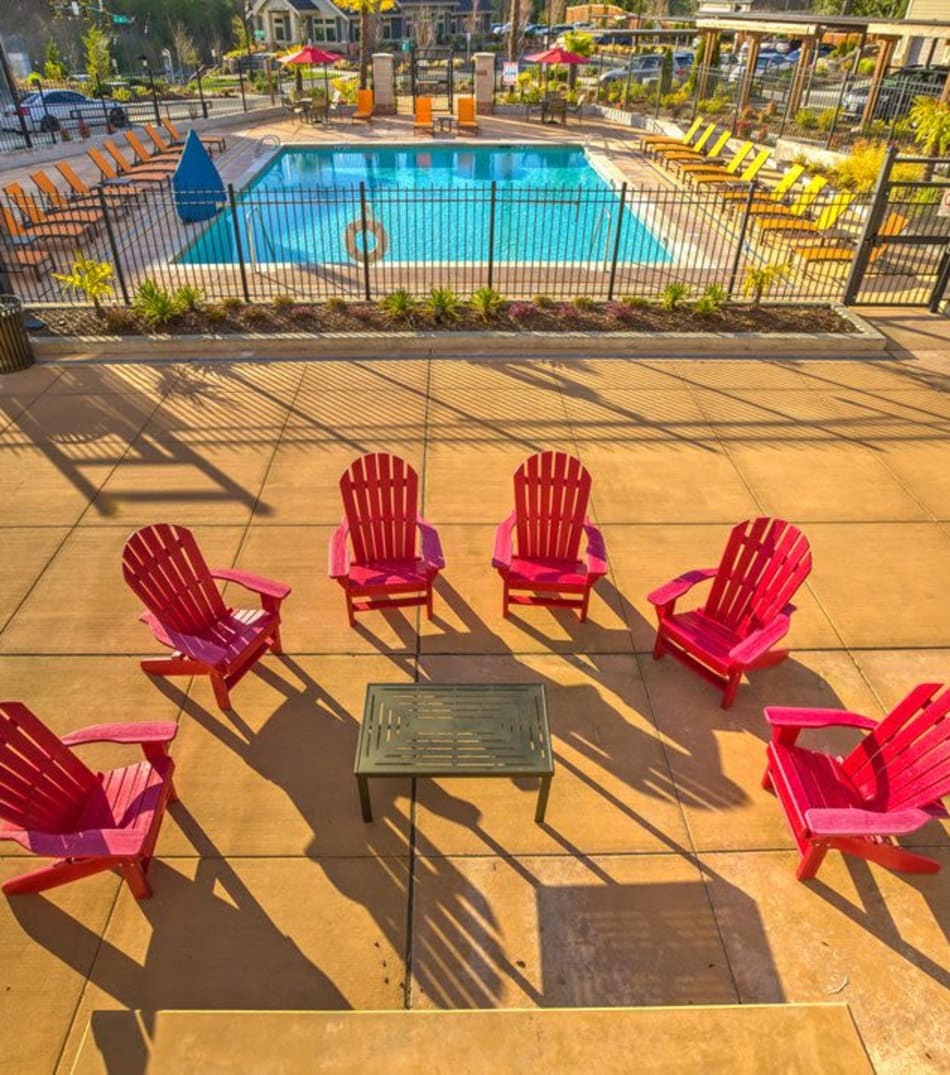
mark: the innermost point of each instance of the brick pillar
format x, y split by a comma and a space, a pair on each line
484, 81
384, 83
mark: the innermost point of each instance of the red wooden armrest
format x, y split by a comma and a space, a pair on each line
90, 843
827, 822
788, 717
596, 551
431, 546
502, 554
163, 731
254, 583
761, 641
339, 565
670, 591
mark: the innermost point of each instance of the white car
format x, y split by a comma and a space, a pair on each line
50, 110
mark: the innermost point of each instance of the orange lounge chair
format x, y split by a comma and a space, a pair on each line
54, 231
83, 190
15, 259
423, 120
364, 106
212, 141
61, 206
83, 219
111, 175
162, 148
144, 159
466, 117
129, 171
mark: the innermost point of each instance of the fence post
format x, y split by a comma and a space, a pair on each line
747, 212
232, 202
613, 263
862, 252
491, 233
14, 94
241, 84
365, 220
113, 247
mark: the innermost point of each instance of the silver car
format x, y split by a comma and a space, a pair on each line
49, 110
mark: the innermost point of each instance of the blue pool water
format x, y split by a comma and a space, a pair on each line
434, 204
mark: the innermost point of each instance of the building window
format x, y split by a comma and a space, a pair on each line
280, 27
323, 30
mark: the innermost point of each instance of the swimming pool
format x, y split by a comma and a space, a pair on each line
430, 204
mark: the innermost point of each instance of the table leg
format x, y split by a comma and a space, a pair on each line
543, 793
363, 784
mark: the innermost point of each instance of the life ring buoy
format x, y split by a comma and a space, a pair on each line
374, 228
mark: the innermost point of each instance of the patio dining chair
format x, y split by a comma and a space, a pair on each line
747, 612
537, 547
374, 554
55, 806
185, 611
890, 785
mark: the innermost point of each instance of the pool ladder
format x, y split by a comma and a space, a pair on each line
249, 235
595, 236
268, 141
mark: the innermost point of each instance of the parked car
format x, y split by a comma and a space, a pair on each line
49, 110
898, 91
643, 69
768, 63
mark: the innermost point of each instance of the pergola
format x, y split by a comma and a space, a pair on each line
811, 28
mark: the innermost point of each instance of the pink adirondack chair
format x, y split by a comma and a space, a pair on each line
57, 807
185, 611
889, 785
537, 548
747, 611
380, 518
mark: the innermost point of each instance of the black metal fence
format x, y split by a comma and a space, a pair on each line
362, 243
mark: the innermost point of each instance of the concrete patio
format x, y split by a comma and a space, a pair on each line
664, 874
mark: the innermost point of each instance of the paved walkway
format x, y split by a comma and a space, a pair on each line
664, 874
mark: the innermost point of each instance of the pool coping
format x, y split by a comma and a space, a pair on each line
865, 340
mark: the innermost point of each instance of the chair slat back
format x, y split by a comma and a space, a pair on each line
364, 101
381, 499
122, 166
466, 109
165, 569
68, 173
54, 196
764, 563
43, 785
551, 494
905, 761
423, 110
101, 163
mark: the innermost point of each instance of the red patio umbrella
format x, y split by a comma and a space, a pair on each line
310, 56
557, 55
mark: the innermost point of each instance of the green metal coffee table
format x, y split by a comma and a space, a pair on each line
457, 729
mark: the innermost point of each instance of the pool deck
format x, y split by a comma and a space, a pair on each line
663, 875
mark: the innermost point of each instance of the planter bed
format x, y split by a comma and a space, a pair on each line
265, 329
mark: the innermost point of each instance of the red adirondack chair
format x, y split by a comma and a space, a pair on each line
185, 611
380, 505
57, 807
537, 548
747, 611
889, 785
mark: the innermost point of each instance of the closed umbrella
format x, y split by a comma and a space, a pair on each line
310, 56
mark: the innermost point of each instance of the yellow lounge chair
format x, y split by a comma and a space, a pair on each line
212, 141
682, 158
423, 120
697, 147
701, 167
466, 117
786, 230
667, 140
766, 210
775, 195
364, 106
746, 176
894, 224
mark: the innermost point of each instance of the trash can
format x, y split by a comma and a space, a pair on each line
15, 350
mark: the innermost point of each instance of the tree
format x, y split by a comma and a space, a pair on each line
666, 73
54, 68
514, 31
867, 9
98, 55
239, 40
368, 11
184, 46
579, 43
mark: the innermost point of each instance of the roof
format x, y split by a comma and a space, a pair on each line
808, 23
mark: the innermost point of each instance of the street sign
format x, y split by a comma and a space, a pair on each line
509, 74
259, 35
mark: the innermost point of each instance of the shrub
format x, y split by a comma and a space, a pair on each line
522, 311
860, 169
712, 300
154, 304
302, 313
231, 304
335, 305
282, 303
672, 295
619, 311
88, 277
215, 313
400, 306
543, 302
583, 303
759, 281
117, 321
826, 119
567, 311
254, 315
866, 67
443, 304
486, 302
806, 119
635, 302
188, 297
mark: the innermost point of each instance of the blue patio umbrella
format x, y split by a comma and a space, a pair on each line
198, 188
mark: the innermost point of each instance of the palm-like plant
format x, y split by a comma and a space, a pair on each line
931, 120
366, 9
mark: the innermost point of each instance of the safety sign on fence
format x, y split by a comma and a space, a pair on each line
509, 74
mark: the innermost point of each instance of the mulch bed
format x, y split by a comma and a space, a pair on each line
515, 317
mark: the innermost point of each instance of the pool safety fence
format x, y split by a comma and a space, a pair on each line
361, 244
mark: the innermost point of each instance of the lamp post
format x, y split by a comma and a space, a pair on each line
199, 71
147, 67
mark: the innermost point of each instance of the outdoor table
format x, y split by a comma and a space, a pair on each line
454, 729
446, 123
